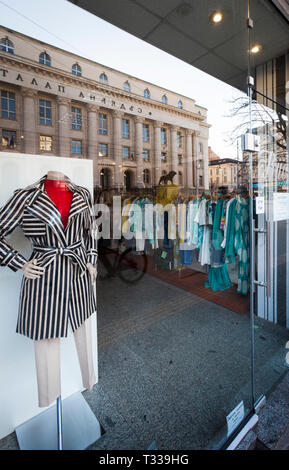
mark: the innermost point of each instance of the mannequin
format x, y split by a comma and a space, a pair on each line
57, 292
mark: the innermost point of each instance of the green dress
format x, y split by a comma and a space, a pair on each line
241, 244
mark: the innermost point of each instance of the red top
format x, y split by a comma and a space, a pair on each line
61, 195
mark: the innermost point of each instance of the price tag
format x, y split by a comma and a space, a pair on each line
122, 248
164, 254
235, 417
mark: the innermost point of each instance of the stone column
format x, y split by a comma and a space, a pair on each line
189, 158
117, 149
157, 157
30, 121
174, 152
92, 141
64, 126
139, 150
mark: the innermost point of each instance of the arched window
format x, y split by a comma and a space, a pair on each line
7, 46
146, 176
76, 70
126, 86
180, 104
164, 99
103, 78
44, 59
147, 93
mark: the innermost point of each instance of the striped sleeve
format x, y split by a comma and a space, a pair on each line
91, 234
10, 218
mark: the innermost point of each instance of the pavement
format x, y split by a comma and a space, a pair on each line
172, 366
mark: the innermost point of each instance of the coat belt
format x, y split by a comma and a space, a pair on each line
50, 253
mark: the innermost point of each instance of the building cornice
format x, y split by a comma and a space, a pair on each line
93, 85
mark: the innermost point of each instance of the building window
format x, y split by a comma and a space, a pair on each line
102, 124
180, 178
76, 70
76, 147
126, 86
102, 150
45, 143
201, 180
217, 171
147, 93
179, 139
76, 118
7, 46
126, 155
8, 105
105, 177
180, 104
163, 157
45, 112
145, 133
163, 136
125, 129
200, 147
180, 158
146, 176
103, 78
9, 139
44, 59
225, 179
164, 99
146, 155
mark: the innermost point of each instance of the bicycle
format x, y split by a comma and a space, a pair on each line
130, 266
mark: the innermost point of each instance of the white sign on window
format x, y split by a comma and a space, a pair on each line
260, 205
280, 206
235, 417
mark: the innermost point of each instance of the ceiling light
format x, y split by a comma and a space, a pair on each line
255, 49
216, 17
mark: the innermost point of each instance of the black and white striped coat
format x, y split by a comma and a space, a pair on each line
64, 294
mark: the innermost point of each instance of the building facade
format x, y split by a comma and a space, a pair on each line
223, 172
54, 102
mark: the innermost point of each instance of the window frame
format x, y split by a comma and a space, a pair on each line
102, 118
47, 120
164, 99
125, 128
76, 70
126, 87
125, 157
6, 45
163, 136
103, 78
46, 60
9, 131
75, 141
11, 110
146, 158
45, 137
99, 150
145, 135
76, 118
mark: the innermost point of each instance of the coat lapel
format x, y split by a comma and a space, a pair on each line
78, 205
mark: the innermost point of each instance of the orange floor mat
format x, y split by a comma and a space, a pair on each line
194, 282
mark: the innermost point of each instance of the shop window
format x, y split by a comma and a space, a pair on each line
8, 105
145, 133
45, 59
102, 124
76, 118
77, 147
7, 46
125, 129
45, 112
9, 139
146, 155
46, 143
76, 70
102, 150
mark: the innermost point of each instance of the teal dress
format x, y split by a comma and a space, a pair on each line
218, 275
241, 244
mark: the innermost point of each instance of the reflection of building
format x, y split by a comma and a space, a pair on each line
54, 102
223, 171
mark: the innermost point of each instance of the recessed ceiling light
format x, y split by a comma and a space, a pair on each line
216, 17
255, 49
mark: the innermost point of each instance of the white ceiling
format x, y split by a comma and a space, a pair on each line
183, 29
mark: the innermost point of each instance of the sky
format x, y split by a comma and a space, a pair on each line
64, 25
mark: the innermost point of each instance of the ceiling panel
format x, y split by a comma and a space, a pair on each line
222, 69
160, 7
176, 43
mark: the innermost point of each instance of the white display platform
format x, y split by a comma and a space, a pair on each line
18, 391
